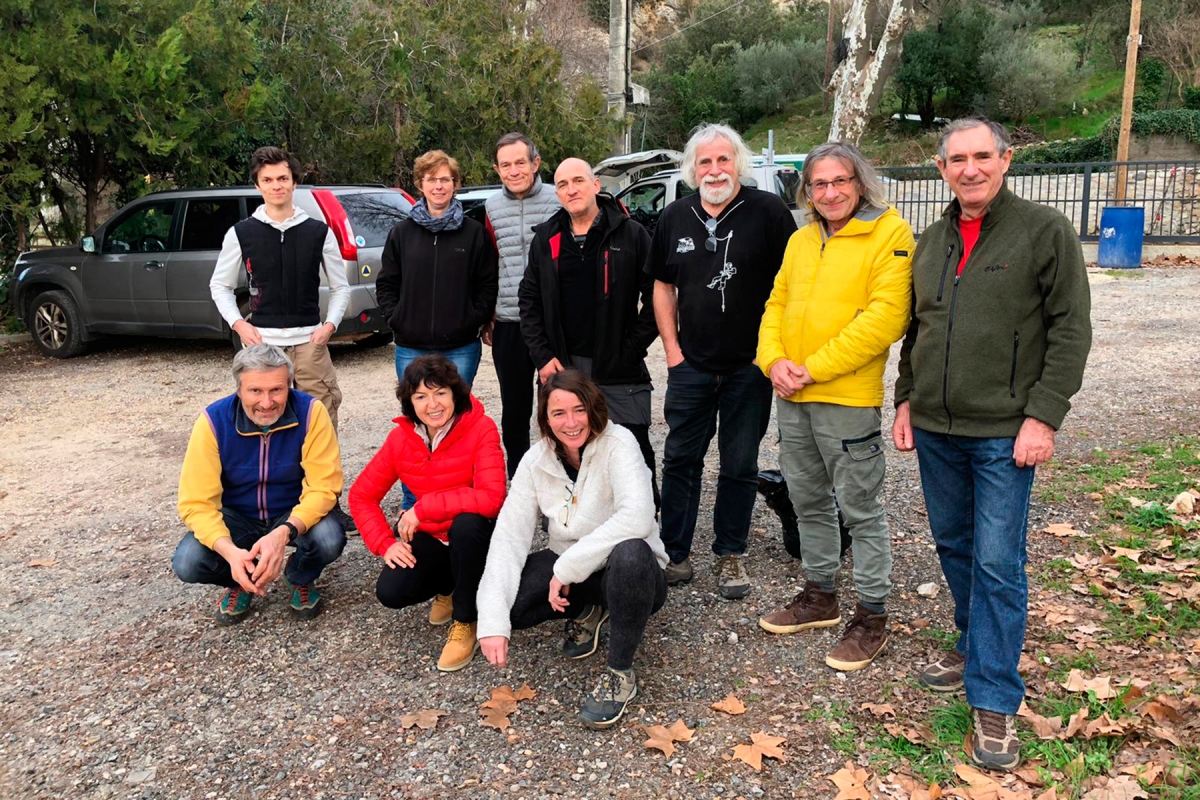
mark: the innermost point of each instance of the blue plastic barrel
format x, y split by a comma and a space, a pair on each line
1121, 237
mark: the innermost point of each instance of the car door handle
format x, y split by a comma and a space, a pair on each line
152, 265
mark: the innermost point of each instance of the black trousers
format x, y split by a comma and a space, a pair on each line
632, 587
516, 373
454, 569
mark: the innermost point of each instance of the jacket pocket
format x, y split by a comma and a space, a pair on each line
1012, 376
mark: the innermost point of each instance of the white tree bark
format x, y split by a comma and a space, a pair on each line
860, 79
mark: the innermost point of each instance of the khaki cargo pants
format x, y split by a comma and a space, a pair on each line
315, 375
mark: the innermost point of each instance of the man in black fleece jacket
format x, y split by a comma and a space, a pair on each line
999, 338
579, 299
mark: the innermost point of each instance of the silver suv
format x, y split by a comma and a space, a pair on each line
146, 270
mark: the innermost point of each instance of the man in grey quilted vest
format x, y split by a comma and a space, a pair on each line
511, 215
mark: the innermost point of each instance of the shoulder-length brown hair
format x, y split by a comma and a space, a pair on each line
428, 163
437, 372
583, 387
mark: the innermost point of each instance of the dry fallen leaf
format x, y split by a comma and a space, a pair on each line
1146, 773
663, 738
494, 718
425, 719
879, 709
1062, 529
1160, 712
1104, 726
1121, 787
1132, 555
1075, 723
1102, 685
974, 778
1183, 504
851, 782
1044, 727
43, 562
1049, 794
915, 732
761, 744
730, 705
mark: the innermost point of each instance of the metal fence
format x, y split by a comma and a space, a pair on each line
1168, 190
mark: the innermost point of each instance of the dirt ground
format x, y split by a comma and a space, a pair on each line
114, 681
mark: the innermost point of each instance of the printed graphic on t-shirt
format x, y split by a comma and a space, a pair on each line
686, 245
728, 270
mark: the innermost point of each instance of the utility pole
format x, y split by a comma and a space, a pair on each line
618, 69
1131, 57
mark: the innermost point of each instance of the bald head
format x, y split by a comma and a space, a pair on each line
577, 186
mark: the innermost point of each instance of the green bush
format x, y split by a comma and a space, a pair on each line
773, 74
1024, 76
1191, 98
1183, 123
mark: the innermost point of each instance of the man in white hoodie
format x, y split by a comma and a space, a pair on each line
283, 251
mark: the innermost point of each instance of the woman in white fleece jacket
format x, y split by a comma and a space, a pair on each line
605, 560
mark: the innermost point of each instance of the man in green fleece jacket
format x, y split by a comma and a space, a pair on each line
999, 338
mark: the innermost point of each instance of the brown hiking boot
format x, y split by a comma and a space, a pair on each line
945, 674
812, 608
865, 638
993, 740
460, 647
441, 610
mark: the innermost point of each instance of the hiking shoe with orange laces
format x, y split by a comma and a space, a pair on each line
306, 601
460, 648
233, 606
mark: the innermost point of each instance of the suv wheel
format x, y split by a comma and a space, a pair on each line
56, 325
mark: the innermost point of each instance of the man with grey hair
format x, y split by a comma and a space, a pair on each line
840, 300
261, 473
511, 215
714, 257
997, 346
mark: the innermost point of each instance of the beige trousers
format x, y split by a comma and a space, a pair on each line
315, 375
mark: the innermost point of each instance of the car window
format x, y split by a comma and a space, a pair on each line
649, 198
787, 181
372, 215
145, 229
205, 222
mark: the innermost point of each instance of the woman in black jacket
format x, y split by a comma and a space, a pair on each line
437, 283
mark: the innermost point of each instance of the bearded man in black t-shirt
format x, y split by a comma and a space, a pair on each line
714, 258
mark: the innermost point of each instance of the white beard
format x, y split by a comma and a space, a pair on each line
716, 193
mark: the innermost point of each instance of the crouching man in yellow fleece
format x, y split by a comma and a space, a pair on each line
841, 298
262, 472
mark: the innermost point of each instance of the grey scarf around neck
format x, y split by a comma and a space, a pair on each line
452, 220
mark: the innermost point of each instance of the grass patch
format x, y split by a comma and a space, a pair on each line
1125, 273
944, 639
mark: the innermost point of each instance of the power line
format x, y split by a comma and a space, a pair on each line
689, 27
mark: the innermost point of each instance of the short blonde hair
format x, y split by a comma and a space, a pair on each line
433, 161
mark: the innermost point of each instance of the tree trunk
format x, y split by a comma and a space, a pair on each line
860, 79
399, 161
22, 232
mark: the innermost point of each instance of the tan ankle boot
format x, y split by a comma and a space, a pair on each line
441, 610
460, 648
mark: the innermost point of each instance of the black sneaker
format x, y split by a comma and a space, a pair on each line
606, 703
583, 633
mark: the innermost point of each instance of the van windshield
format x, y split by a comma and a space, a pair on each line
372, 214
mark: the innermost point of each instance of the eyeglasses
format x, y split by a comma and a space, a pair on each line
710, 244
819, 187
564, 514
437, 180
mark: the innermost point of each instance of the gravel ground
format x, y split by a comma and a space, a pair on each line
115, 682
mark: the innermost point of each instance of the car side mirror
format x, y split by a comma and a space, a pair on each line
88, 244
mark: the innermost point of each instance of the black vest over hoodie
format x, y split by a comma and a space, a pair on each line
283, 270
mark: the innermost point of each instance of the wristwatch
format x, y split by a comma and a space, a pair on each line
293, 531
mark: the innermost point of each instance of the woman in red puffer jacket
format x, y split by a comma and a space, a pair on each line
447, 452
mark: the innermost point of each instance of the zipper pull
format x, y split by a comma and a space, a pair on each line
281, 237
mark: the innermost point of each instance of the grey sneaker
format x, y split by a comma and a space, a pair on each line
606, 703
583, 633
679, 573
994, 742
945, 674
732, 581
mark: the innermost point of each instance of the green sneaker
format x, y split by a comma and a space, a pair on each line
583, 634
606, 703
306, 601
233, 606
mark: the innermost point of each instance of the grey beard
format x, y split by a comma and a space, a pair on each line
716, 194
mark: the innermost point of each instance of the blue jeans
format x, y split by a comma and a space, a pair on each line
695, 399
978, 503
465, 358
316, 548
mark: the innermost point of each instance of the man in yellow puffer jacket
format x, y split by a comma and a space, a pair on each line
841, 298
